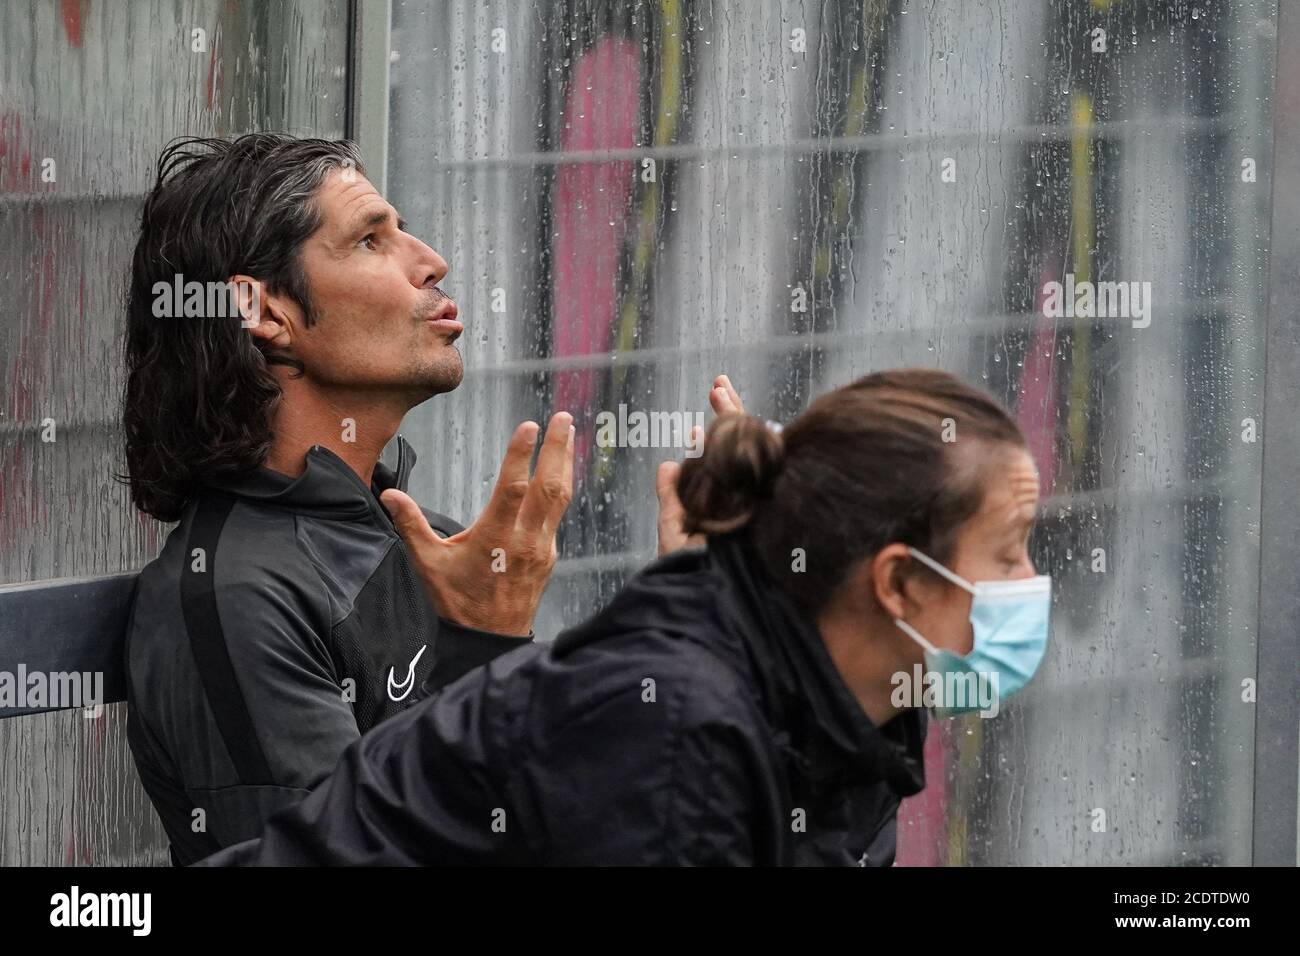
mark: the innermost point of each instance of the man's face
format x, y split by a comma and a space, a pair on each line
381, 323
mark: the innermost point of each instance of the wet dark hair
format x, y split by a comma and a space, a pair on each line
199, 393
864, 466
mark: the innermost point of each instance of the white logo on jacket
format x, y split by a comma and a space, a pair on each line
406, 686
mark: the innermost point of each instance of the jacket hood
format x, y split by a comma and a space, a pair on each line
721, 598
327, 487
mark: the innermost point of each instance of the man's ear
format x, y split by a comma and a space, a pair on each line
263, 314
889, 572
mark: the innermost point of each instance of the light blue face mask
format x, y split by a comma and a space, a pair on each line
1010, 622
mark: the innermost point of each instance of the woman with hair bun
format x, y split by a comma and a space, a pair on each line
748, 702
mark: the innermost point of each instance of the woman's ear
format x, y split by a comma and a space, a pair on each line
889, 575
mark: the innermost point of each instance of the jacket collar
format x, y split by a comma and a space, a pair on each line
808, 698
327, 487
721, 599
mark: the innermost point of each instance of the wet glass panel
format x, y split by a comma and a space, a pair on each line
634, 197
89, 94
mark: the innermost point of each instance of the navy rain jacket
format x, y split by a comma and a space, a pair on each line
698, 719
281, 621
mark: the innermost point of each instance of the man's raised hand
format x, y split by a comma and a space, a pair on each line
491, 575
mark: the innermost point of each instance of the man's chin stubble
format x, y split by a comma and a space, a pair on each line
442, 375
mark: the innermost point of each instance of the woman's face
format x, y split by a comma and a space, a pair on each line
991, 546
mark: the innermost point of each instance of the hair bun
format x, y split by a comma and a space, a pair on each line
721, 488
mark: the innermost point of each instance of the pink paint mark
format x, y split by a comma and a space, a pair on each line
15, 156
214, 78
70, 11
923, 818
591, 217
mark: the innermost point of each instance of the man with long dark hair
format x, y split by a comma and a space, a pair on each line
283, 617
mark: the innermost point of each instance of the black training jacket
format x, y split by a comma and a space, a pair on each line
280, 622
698, 719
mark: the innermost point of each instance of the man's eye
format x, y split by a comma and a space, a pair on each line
367, 241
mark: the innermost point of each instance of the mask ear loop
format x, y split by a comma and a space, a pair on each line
915, 635
939, 569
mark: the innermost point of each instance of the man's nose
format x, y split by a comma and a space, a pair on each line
430, 267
